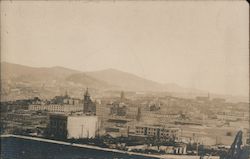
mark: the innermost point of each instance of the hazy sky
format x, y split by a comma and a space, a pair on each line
200, 44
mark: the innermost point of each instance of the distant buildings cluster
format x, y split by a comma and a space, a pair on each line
65, 104
162, 119
77, 119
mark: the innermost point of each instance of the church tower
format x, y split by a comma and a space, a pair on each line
86, 95
88, 106
122, 97
138, 116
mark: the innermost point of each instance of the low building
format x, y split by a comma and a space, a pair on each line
73, 126
179, 149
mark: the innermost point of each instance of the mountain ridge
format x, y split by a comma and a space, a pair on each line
49, 81
110, 77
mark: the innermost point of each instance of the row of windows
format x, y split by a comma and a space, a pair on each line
57, 108
153, 131
139, 132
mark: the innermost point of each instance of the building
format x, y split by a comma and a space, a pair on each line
138, 115
232, 116
158, 132
56, 107
58, 104
154, 105
66, 99
178, 149
24, 122
82, 126
122, 96
122, 107
119, 109
73, 126
102, 110
219, 100
89, 106
116, 127
57, 127
203, 98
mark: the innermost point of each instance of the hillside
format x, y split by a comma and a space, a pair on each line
20, 72
126, 81
19, 81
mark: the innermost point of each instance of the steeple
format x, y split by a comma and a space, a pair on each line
138, 116
66, 94
87, 92
87, 95
122, 96
88, 105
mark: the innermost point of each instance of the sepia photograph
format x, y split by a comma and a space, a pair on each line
124, 79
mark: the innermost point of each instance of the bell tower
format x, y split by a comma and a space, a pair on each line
88, 105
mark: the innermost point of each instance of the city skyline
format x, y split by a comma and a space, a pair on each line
125, 79
207, 51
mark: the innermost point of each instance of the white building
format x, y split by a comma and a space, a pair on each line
82, 126
73, 126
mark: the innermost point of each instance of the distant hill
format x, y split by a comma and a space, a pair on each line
20, 72
126, 81
87, 81
19, 81
105, 79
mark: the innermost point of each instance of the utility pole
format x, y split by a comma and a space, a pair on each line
196, 140
248, 131
197, 148
82, 132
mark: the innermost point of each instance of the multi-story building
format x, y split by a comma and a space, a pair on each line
56, 107
73, 126
233, 116
58, 104
119, 109
102, 110
57, 127
159, 132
